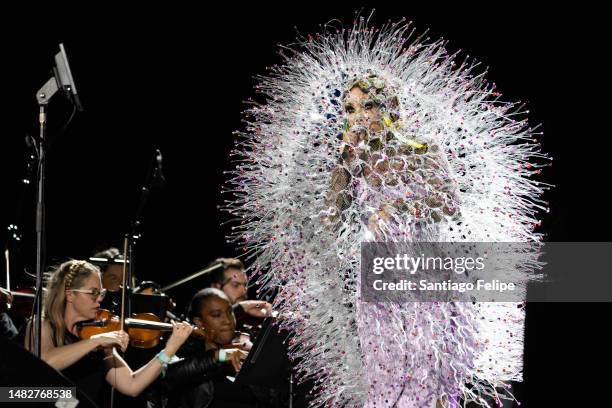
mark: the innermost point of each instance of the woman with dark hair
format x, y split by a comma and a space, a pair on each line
199, 379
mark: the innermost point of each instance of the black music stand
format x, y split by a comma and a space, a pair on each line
268, 367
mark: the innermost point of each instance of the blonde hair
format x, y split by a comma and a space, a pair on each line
68, 275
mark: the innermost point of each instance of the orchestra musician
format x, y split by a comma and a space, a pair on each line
199, 379
231, 278
112, 278
73, 295
7, 327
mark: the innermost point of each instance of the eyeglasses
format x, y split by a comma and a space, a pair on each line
95, 293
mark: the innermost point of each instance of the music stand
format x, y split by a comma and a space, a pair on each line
267, 363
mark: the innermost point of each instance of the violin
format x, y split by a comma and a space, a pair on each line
19, 301
105, 322
145, 329
5, 301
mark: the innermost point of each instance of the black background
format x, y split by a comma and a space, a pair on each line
175, 78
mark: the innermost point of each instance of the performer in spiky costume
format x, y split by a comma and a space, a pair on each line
366, 135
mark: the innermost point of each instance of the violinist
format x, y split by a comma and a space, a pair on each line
110, 262
112, 278
199, 379
7, 328
233, 281
73, 295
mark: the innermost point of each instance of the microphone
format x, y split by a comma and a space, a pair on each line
64, 78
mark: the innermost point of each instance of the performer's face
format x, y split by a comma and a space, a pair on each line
112, 277
234, 285
363, 115
217, 319
84, 304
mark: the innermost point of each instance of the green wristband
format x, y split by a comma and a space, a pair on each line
163, 358
222, 356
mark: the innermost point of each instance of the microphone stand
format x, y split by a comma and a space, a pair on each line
130, 240
43, 96
62, 77
154, 178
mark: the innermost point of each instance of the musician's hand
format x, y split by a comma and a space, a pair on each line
5, 300
180, 333
243, 342
112, 339
245, 345
257, 308
235, 357
5, 296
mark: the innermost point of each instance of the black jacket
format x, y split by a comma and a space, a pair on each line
189, 382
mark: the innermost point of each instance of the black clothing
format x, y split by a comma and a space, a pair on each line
7, 328
198, 381
89, 372
238, 310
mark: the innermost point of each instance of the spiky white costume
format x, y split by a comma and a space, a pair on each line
448, 163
